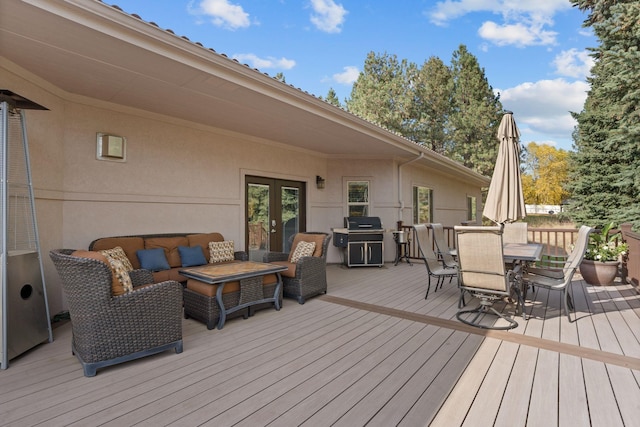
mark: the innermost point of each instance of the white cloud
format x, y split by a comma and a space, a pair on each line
263, 63
524, 21
223, 13
518, 34
543, 107
510, 9
348, 76
328, 16
573, 63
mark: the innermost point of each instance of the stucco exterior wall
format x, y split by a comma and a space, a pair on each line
184, 177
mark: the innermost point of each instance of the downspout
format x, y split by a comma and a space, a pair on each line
400, 200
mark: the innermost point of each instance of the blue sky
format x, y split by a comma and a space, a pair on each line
533, 51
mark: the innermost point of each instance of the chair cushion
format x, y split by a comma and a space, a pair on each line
203, 240
170, 247
153, 259
191, 256
302, 237
118, 254
291, 268
120, 280
129, 244
221, 251
302, 249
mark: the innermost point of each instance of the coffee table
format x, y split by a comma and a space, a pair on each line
248, 273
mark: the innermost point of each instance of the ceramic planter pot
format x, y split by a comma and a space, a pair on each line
599, 273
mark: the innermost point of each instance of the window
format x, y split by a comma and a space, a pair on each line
422, 205
358, 198
471, 208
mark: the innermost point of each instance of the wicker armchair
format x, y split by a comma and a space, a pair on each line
112, 329
307, 277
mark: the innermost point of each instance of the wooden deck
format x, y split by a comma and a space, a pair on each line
371, 352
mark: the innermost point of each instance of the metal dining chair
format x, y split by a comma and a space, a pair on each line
483, 274
431, 261
560, 279
445, 253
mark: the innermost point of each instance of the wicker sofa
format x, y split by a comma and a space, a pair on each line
199, 297
110, 329
169, 242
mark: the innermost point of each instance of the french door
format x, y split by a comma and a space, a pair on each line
275, 211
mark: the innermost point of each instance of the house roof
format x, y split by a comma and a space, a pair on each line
90, 49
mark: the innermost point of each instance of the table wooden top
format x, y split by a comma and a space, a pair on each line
228, 271
522, 251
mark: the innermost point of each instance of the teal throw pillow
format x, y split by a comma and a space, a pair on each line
191, 256
153, 259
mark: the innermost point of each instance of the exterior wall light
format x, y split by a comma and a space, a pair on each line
319, 182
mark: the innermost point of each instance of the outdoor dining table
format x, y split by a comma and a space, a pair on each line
519, 255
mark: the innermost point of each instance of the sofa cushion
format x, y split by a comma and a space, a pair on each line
302, 249
221, 251
118, 254
164, 275
129, 244
203, 240
191, 256
120, 280
170, 247
302, 237
153, 259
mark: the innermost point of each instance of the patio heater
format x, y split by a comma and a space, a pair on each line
24, 313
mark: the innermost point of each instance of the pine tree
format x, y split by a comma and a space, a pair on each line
605, 168
332, 98
381, 93
433, 88
476, 114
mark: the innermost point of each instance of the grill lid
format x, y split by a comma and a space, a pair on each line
363, 223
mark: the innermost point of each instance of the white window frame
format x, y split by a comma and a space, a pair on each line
349, 203
414, 204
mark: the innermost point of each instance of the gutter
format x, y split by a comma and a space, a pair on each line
400, 200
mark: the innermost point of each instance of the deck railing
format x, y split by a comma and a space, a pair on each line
558, 243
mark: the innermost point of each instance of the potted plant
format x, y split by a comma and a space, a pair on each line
602, 258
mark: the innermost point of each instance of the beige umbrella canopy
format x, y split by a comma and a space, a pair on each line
505, 200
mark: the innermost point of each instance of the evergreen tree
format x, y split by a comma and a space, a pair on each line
433, 88
381, 93
332, 98
475, 116
605, 168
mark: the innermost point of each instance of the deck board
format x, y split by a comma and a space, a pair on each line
351, 364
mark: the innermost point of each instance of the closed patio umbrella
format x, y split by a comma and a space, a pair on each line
505, 200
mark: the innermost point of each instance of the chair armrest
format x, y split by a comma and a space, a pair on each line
310, 265
241, 256
554, 273
275, 256
154, 301
141, 277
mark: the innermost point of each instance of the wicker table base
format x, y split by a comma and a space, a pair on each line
252, 292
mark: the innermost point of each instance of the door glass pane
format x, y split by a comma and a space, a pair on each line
290, 214
258, 217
